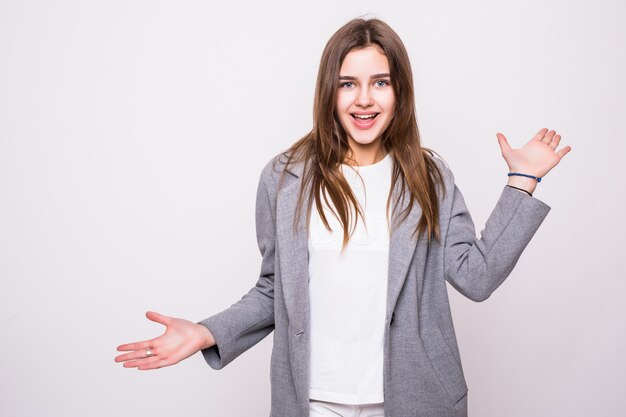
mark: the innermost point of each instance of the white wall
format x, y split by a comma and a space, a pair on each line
132, 135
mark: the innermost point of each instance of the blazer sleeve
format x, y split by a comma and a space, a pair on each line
249, 320
477, 266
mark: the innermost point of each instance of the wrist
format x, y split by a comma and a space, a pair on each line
205, 336
528, 184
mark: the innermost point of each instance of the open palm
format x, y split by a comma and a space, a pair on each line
537, 157
181, 339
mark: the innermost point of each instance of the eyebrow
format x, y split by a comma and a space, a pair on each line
349, 77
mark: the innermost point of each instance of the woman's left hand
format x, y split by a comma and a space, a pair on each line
537, 157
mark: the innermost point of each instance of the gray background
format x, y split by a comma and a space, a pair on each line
132, 135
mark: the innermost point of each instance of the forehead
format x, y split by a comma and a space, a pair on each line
368, 60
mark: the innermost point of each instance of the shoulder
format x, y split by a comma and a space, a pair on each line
272, 167
444, 182
279, 166
444, 169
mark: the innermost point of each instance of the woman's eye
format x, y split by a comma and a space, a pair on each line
378, 83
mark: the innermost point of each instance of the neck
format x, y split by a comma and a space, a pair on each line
364, 155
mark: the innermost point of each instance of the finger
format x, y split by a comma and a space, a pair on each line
539, 135
159, 318
139, 354
136, 346
504, 144
155, 365
555, 141
564, 151
548, 137
142, 362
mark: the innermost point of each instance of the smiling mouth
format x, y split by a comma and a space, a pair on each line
364, 116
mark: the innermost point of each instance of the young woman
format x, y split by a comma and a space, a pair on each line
353, 287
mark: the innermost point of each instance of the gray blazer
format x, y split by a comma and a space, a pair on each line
423, 375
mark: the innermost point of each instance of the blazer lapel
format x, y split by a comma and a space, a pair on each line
402, 245
293, 261
293, 249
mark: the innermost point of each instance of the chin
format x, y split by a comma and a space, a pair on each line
365, 142
361, 140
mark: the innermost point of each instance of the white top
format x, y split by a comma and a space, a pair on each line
348, 294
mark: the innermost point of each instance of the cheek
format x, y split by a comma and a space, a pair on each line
386, 100
390, 109
390, 103
342, 103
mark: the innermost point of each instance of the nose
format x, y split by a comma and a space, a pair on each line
364, 97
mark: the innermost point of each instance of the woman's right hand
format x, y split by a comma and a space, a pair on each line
181, 339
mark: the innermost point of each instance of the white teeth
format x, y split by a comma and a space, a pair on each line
369, 116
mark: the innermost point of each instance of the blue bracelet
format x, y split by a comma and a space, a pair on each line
524, 175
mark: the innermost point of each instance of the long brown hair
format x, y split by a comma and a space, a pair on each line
326, 146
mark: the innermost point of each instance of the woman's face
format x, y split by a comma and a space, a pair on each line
365, 98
